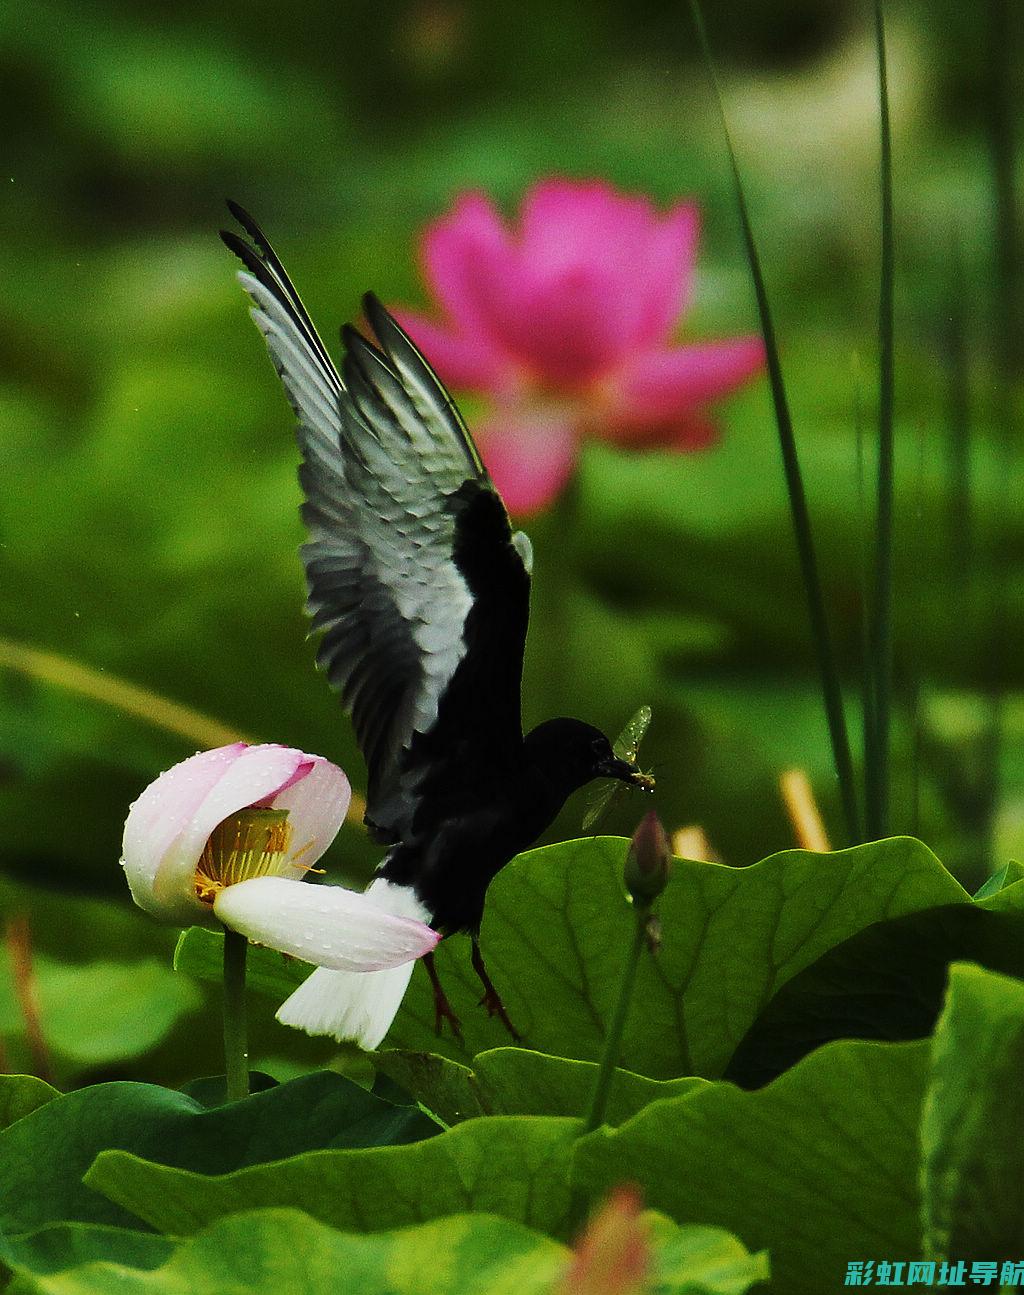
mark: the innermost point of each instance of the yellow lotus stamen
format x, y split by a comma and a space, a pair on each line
297, 855
251, 843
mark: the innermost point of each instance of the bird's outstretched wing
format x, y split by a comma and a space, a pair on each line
414, 576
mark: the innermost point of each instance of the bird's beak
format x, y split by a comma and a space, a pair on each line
626, 772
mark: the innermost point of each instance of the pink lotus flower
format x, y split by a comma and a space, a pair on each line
226, 835
565, 324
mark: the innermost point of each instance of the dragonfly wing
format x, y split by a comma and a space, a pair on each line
627, 744
600, 803
625, 747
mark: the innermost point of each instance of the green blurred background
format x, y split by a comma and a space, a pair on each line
149, 528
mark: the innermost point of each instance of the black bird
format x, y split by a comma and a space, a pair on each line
421, 591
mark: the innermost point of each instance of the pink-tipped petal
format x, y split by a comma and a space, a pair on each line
316, 805
326, 925
664, 385
303, 768
162, 813
252, 779
468, 246
461, 360
530, 455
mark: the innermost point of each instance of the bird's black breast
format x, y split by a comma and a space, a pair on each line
451, 869
451, 863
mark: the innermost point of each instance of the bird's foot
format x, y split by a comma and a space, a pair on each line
442, 1008
443, 1012
495, 1007
491, 999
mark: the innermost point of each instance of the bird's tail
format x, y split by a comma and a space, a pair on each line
357, 1005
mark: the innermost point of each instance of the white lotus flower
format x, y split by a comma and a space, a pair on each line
226, 836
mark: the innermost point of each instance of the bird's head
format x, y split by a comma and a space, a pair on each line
572, 754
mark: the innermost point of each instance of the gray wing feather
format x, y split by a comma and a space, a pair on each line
384, 450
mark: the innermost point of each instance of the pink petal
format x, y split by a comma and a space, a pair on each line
567, 328
461, 360
163, 811
530, 455
316, 804
567, 305
645, 257
326, 925
458, 251
256, 777
669, 272
665, 385
303, 768
566, 223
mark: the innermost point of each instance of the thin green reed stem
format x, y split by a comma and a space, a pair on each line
830, 684
1006, 322
236, 1044
613, 1039
914, 684
960, 514
1003, 46
876, 754
979, 820
1004, 39
867, 696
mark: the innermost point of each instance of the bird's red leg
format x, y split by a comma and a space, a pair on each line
490, 1000
442, 1008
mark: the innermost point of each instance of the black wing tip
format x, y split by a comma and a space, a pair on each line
248, 255
382, 321
239, 212
373, 306
248, 223
234, 243
262, 252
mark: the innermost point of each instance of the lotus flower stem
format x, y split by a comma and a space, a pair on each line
613, 1039
236, 1045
